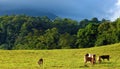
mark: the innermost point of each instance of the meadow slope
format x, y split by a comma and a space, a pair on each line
59, 59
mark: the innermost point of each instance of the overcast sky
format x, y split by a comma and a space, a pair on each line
74, 9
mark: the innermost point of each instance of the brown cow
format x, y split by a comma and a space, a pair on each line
40, 62
90, 57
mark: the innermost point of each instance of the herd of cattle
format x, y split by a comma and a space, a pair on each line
92, 58
88, 57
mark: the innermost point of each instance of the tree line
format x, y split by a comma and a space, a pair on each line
28, 32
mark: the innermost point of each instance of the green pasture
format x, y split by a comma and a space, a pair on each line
59, 59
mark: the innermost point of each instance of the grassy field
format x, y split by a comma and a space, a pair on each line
59, 59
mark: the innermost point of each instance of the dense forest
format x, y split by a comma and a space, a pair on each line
28, 32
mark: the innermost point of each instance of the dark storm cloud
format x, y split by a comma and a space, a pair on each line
75, 9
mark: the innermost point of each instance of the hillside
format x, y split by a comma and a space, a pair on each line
59, 59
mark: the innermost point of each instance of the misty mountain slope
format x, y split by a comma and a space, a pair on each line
30, 12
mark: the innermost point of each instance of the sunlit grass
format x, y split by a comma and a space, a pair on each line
59, 59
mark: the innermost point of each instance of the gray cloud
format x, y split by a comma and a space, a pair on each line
75, 9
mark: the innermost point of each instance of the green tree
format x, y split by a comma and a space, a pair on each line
69, 26
107, 34
94, 20
117, 25
50, 39
87, 37
67, 41
84, 23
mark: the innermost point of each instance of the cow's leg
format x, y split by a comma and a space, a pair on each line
108, 59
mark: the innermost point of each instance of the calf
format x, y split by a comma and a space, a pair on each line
40, 62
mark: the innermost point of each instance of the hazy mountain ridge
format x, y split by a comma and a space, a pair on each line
30, 12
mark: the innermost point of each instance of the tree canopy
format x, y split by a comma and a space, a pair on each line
28, 32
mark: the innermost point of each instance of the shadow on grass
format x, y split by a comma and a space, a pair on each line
57, 66
106, 63
84, 66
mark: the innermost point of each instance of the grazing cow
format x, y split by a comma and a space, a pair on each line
90, 57
105, 57
40, 62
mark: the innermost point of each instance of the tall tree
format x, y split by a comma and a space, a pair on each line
87, 37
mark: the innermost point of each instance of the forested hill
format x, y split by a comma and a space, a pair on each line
27, 32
